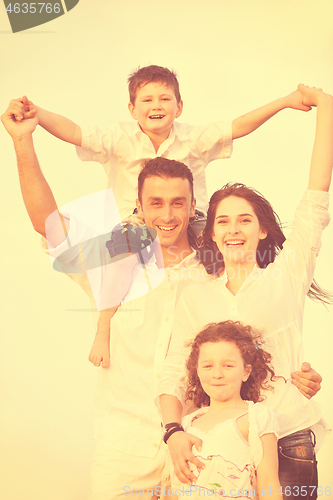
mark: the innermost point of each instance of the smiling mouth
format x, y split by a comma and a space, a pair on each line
167, 229
234, 243
156, 117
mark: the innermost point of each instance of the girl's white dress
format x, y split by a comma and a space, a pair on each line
230, 460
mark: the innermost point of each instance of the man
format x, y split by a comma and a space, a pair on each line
130, 455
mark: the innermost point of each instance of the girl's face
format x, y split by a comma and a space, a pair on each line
221, 371
236, 231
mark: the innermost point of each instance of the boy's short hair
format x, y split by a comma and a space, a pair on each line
150, 74
164, 168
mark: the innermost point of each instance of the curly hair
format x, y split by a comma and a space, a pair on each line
269, 221
249, 343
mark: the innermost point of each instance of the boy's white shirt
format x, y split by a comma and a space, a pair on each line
123, 148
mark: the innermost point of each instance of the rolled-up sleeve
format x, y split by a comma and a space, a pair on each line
214, 141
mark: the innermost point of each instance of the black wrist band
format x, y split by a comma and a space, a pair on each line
172, 431
169, 426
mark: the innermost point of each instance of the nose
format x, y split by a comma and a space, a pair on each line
233, 228
167, 215
157, 104
218, 372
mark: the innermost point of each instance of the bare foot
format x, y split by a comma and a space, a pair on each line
100, 350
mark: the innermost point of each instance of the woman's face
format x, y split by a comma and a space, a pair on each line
236, 231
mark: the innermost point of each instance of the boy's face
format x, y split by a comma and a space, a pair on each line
156, 108
166, 206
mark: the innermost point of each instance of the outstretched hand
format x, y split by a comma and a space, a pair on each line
296, 101
20, 118
311, 95
307, 380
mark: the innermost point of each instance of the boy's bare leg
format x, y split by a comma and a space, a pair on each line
116, 283
100, 350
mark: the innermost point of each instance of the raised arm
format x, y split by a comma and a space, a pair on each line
322, 154
249, 122
57, 125
37, 195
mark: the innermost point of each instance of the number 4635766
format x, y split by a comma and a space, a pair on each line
33, 8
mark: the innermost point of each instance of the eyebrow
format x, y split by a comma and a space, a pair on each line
162, 95
156, 198
210, 360
240, 215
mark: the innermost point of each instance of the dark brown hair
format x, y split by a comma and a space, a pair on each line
149, 74
249, 343
269, 222
162, 167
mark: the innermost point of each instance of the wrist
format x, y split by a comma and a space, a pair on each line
24, 137
324, 100
170, 429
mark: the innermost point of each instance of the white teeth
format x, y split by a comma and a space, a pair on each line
163, 228
156, 117
235, 243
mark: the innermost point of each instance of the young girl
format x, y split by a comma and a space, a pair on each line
226, 369
263, 282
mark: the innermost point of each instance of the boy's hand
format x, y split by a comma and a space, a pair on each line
311, 95
13, 120
307, 380
295, 101
29, 109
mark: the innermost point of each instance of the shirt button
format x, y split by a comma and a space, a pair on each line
166, 319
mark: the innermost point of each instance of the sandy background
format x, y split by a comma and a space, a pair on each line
231, 56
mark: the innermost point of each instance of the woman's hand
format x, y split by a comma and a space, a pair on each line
180, 447
307, 380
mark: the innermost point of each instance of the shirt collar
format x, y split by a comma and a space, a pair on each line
189, 261
255, 273
174, 131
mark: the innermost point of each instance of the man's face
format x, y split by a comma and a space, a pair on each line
156, 108
166, 206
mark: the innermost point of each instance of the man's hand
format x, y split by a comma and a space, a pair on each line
307, 380
295, 101
180, 446
20, 118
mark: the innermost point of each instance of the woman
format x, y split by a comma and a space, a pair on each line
266, 292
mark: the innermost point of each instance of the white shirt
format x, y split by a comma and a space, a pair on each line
270, 300
123, 148
126, 417
229, 458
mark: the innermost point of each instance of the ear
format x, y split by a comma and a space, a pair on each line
131, 109
139, 208
262, 234
247, 372
192, 211
179, 109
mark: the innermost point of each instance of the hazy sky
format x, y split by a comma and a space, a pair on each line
231, 56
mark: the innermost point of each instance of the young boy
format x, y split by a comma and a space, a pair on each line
155, 103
